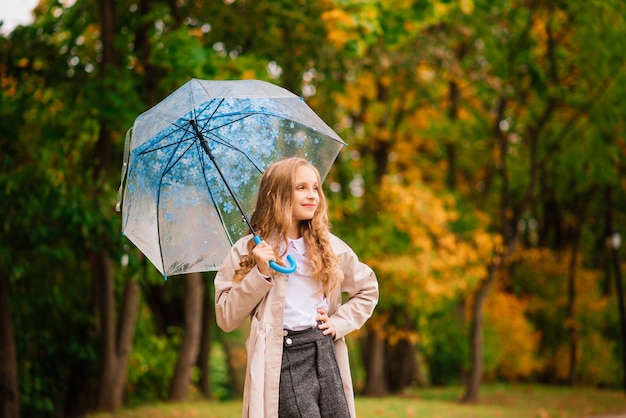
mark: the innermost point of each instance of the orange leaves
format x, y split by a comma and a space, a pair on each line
396, 335
384, 328
487, 241
197, 33
417, 210
401, 279
341, 27
352, 28
466, 6
512, 336
8, 84
439, 263
363, 87
248, 74
542, 277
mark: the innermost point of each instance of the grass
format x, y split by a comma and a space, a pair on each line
496, 401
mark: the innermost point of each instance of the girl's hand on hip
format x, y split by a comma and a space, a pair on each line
326, 325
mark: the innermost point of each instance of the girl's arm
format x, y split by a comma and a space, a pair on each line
235, 301
361, 287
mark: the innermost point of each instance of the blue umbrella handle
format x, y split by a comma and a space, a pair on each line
285, 270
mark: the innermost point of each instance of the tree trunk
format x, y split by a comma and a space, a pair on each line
116, 340
571, 321
205, 344
194, 290
9, 389
401, 358
475, 373
509, 217
401, 366
622, 308
103, 275
572, 329
474, 377
613, 242
453, 113
376, 383
166, 311
126, 332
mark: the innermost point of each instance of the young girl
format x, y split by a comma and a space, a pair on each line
297, 355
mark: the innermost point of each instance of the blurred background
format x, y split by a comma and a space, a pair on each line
483, 181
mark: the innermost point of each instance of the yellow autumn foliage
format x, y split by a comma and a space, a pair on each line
363, 87
516, 340
341, 27
545, 272
594, 356
248, 74
466, 6
383, 327
439, 264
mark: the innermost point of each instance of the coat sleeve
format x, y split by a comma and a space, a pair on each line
235, 301
361, 288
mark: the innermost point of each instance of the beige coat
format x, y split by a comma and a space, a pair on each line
263, 302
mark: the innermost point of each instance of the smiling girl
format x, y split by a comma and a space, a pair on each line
297, 355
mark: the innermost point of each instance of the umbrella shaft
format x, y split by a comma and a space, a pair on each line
207, 149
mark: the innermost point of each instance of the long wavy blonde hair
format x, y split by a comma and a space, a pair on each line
272, 218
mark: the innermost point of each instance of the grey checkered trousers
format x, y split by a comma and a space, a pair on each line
310, 383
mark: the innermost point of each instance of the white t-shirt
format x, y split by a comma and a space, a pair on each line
304, 295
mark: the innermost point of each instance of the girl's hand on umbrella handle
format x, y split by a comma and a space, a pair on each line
272, 262
326, 324
263, 253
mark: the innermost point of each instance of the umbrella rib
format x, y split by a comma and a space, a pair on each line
158, 202
146, 151
243, 116
219, 139
246, 115
224, 142
207, 106
207, 149
208, 186
170, 166
184, 127
249, 114
165, 146
213, 114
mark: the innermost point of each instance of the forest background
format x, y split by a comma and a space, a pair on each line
483, 181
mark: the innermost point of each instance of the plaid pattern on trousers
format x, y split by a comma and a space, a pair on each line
310, 383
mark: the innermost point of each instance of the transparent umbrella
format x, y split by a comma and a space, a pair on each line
193, 162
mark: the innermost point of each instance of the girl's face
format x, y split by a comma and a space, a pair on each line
306, 194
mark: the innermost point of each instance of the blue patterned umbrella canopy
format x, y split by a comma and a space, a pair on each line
176, 207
